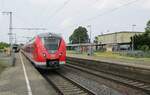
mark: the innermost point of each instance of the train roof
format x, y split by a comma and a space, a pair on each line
49, 35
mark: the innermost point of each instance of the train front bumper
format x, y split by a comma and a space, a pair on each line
49, 65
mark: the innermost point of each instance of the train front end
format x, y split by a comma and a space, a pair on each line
51, 51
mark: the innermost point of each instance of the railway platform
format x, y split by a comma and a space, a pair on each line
139, 71
23, 79
137, 63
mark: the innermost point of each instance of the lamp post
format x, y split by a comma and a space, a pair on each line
90, 41
90, 29
133, 37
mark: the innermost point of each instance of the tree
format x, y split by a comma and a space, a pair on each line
79, 35
96, 40
3, 45
142, 42
147, 29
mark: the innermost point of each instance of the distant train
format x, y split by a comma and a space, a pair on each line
46, 50
15, 47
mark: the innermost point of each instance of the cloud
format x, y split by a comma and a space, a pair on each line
66, 22
109, 4
106, 4
145, 4
0, 17
45, 2
36, 13
39, 2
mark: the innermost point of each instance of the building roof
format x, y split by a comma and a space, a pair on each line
81, 44
121, 32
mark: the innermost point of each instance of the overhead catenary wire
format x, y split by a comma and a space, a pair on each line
111, 10
79, 11
61, 7
91, 18
102, 14
58, 10
30, 28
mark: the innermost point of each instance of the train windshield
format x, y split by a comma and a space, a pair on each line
51, 43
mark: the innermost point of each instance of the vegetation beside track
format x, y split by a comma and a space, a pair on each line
117, 56
113, 56
3, 66
4, 62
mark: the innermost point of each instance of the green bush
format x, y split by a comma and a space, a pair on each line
144, 48
2, 66
137, 54
3, 45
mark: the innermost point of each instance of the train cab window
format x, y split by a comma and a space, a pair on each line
51, 43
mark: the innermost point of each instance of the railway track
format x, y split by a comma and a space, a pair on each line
66, 86
143, 86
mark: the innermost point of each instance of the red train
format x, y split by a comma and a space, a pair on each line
46, 50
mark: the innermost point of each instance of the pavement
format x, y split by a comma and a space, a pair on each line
136, 63
24, 79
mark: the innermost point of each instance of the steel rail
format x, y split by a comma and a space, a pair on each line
112, 77
66, 86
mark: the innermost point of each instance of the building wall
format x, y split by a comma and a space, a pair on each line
118, 37
113, 41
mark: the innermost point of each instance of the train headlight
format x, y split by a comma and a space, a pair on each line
60, 54
44, 54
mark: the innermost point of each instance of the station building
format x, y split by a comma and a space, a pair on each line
116, 41
107, 42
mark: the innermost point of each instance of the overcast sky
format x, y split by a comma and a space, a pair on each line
63, 16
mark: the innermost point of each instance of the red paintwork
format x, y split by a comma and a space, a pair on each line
36, 49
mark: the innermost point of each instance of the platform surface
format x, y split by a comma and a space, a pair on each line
141, 63
14, 82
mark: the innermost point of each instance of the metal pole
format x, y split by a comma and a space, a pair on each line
79, 46
90, 35
116, 44
90, 29
15, 37
10, 29
133, 37
90, 32
11, 38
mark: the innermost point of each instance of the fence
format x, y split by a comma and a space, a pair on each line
134, 53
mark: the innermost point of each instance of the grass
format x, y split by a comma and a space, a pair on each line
116, 57
74, 52
4, 63
71, 52
119, 57
111, 55
2, 66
